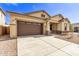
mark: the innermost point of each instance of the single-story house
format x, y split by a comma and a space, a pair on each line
2, 22
37, 23
76, 27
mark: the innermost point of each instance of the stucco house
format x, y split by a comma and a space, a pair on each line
36, 23
76, 27
2, 22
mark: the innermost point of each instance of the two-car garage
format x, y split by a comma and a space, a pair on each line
22, 25
29, 28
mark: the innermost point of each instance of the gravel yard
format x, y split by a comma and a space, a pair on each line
7, 46
71, 37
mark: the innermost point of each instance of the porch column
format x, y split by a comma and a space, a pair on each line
13, 29
48, 28
44, 28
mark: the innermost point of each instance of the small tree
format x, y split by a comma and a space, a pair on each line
71, 28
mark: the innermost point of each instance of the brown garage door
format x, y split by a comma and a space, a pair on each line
28, 28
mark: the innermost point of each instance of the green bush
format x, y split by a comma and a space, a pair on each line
71, 28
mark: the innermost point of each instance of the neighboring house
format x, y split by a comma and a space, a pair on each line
76, 27
2, 22
36, 23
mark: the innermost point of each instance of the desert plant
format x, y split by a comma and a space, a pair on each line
70, 25
71, 28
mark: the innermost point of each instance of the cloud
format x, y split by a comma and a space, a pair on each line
14, 4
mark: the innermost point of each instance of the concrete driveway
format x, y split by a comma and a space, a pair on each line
45, 46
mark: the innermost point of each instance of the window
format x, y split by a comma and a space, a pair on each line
42, 15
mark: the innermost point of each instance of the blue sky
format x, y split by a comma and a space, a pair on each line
69, 10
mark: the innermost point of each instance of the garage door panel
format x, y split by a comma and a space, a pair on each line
28, 28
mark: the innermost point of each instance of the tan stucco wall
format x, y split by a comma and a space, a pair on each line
54, 26
61, 26
46, 23
16, 17
38, 14
56, 18
13, 31
68, 25
47, 27
44, 28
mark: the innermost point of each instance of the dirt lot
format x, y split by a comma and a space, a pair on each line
71, 37
7, 46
